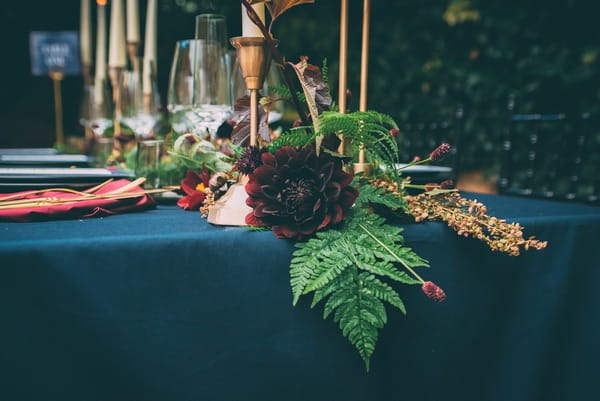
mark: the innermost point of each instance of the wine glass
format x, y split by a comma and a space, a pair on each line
97, 108
139, 101
181, 86
212, 101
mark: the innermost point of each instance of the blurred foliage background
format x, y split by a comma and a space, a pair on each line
427, 57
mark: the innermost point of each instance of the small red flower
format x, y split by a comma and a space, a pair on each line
447, 184
433, 291
440, 152
394, 132
194, 185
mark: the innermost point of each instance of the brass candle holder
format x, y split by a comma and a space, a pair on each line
57, 77
363, 166
255, 58
116, 75
133, 51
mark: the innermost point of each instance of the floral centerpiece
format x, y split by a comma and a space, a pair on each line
347, 255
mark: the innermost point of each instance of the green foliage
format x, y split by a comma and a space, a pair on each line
283, 92
295, 137
369, 128
199, 154
373, 194
347, 266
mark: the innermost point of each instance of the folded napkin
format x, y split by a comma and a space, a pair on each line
114, 197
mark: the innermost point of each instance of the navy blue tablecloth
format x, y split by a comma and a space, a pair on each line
162, 306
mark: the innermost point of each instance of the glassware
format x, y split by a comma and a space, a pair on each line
212, 102
97, 108
161, 170
139, 104
181, 86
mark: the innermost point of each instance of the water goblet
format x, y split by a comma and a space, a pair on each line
212, 101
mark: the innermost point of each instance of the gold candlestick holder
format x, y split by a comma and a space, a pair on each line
57, 77
116, 75
133, 51
255, 58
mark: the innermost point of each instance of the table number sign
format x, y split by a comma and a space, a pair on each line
54, 51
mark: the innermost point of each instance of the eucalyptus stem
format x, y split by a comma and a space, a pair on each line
278, 58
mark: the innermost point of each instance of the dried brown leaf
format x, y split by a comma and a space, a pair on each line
278, 7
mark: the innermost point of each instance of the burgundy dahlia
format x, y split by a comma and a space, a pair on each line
433, 291
297, 192
440, 152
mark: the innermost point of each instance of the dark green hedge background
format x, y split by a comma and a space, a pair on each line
427, 56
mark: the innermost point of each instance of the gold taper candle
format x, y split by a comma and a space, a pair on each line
117, 57
100, 74
85, 36
364, 66
343, 73
364, 61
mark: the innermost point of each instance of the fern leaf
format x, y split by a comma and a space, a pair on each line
372, 194
295, 137
382, 291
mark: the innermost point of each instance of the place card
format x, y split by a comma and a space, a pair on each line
54, 51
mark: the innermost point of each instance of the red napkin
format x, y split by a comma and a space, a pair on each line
79, 209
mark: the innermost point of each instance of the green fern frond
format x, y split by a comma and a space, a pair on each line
325, 72
368, 128
346, 267
283, 91
295, 137
372, 194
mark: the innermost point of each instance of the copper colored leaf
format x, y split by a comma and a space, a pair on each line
241, 116
315, 90
278, 7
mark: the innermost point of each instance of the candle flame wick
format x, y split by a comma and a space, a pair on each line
101, 2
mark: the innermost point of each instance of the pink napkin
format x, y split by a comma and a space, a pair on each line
79, 209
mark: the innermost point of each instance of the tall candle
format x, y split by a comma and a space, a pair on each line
100, 54
364, 63
133, 21
249, 28
117, 56
85, 36
149, 47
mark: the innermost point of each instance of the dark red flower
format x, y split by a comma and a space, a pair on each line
194, 185
447, 184
433, 291
394, 132
296, 192
439, 152
250, 160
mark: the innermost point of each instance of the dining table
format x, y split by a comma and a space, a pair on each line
160, 305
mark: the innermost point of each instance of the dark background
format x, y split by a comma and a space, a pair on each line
427, 56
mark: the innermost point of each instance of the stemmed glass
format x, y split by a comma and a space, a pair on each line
181, 86
97, 108
139, 103
212, 102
